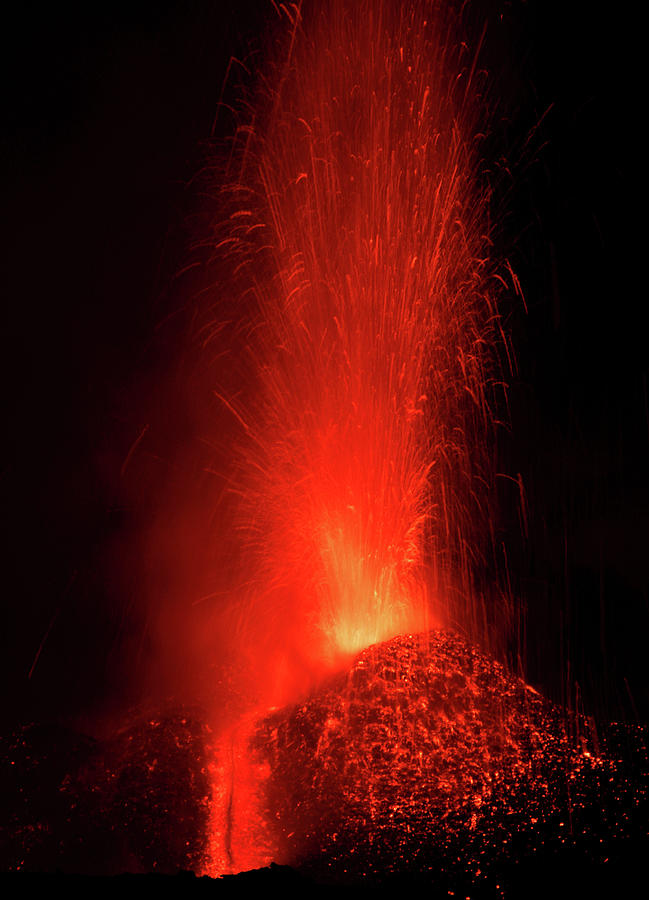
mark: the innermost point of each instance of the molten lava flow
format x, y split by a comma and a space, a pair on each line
357, 249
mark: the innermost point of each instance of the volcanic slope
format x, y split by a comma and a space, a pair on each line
424, 753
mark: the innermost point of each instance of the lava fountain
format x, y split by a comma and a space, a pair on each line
323, 561
356, 337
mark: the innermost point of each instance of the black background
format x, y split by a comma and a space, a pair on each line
105, 118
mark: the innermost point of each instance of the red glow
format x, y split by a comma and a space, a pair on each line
357, 246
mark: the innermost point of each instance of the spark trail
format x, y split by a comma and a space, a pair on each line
359, 232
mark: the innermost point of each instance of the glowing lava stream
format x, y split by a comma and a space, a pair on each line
239, 837
358, 242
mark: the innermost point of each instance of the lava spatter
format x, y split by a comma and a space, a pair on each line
360, 384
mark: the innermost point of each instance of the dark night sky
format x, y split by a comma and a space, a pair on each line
105, 113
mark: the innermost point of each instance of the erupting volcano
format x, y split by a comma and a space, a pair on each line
358, 368
359, 234
345, 633
360, 298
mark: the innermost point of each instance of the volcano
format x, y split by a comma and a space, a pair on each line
428, 754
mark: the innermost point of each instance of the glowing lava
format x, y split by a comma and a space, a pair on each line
362, 370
